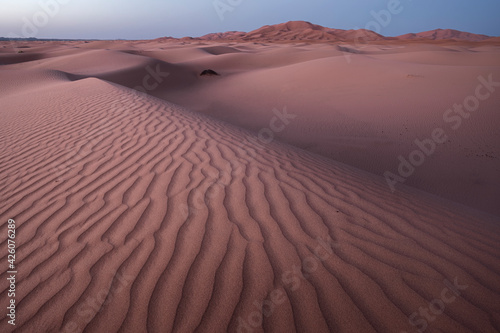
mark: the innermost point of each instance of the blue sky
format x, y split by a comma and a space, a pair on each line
127, 19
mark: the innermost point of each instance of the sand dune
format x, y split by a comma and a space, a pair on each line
135, 214
303, 31
438, 34
308, 32
321, 84
405, 94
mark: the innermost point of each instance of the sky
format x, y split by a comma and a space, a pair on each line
148, 19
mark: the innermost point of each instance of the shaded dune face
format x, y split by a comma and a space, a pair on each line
8, 59
136, 215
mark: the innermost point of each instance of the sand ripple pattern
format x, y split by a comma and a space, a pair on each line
135, 215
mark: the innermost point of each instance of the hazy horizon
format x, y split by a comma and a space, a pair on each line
68, 19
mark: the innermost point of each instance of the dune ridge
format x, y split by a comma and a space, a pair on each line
306, 31
439, 34
135, 214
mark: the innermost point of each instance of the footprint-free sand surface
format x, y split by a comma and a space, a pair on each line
174, 211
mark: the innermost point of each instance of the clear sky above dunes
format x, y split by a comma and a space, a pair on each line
128, 19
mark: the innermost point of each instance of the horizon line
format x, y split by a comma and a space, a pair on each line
219, 32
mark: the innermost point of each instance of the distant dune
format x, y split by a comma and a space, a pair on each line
230, 35
299, 30
440, 34
306, 31
493, 39
295, 31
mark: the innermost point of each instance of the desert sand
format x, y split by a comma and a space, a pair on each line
250, 201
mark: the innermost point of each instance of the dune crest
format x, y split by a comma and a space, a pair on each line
440, 34
306, 31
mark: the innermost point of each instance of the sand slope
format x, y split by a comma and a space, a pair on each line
361, 104
366, 109
136, 215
